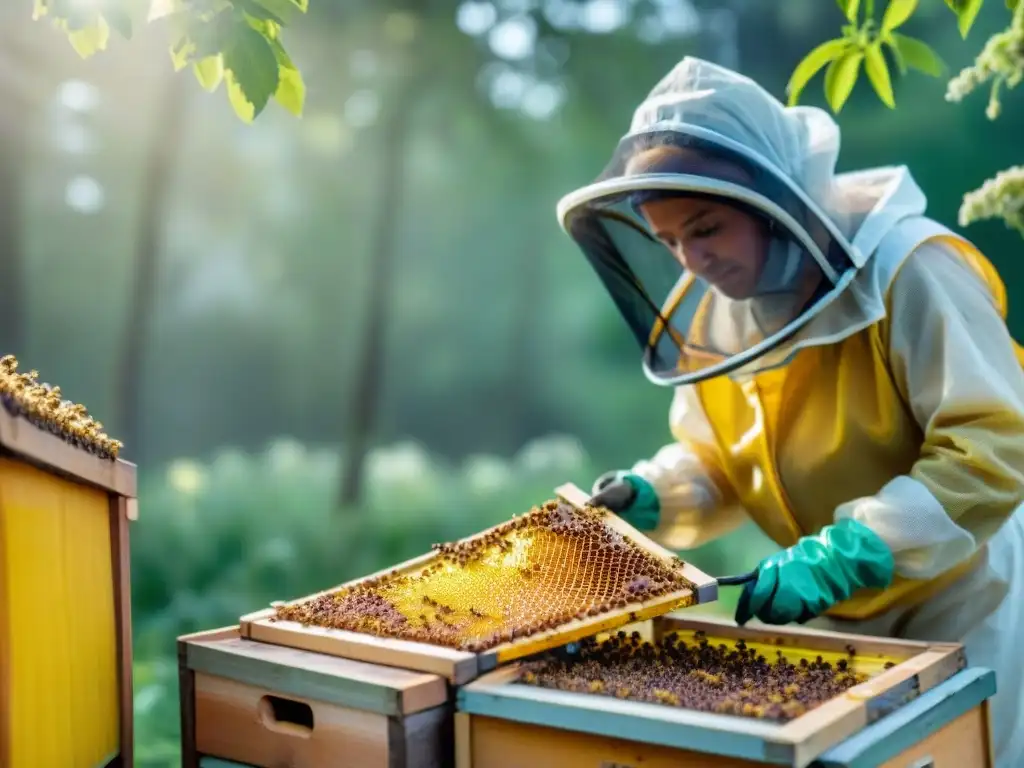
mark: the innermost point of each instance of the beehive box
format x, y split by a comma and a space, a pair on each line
65, 610
559, 573
639, 707
264, 705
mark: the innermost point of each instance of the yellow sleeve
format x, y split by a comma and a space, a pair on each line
697, 503
956, 366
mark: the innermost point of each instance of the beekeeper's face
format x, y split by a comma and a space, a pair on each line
721, 244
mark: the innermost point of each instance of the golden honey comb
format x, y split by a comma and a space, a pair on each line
698, 675
22, 395
535, 573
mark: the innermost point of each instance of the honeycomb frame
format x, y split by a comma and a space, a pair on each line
463, 665
899, 672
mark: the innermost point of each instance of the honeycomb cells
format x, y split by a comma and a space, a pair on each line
534, 573
22, 395
698, 675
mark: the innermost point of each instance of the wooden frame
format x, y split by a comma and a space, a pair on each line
460, 666
412, 710
26, 442
36, 446
920, 667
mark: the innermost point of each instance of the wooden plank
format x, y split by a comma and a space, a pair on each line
705, 587
914, 722
421, 740
120, 553
506, 744
221, 633
348, 683
739, 737
187, 706
22, 438
803, 638
842, 717
463, 743
457, 666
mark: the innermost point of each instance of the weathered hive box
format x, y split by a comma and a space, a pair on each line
560, 573
65, 601
256, 704
920, 708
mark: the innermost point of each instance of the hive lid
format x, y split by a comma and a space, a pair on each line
560, 573
42, 428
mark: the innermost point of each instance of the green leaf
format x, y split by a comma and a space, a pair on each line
213, 36
209, 72
253, 67
918, 55
849, 9
181, 53
120, 21
878, 74
91, 39
238, 100
291, 91
896, 14
1012, 4
811, 64
282, 11
840, 78
966, 12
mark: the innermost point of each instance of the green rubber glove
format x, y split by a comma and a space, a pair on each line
814, 574
630, 497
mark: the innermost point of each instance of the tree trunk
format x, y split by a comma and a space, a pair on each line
167, 139
364, 401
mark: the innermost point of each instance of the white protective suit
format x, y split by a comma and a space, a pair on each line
947, 338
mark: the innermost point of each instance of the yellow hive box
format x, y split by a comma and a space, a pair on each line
65, 602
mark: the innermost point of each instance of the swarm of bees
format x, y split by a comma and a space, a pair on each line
42, 405
696, 675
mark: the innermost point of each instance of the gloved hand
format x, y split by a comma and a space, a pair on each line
630, 497
814, 574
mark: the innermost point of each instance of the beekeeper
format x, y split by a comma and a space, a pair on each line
842, 368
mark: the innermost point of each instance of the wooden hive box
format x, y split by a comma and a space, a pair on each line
65, 601
927, 711
254, 704
461, 666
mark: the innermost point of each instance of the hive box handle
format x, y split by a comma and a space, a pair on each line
286, 715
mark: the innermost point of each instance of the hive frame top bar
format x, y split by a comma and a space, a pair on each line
462, 666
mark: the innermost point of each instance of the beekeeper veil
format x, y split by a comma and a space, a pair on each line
754, 246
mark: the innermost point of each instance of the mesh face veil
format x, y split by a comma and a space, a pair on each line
715, 257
